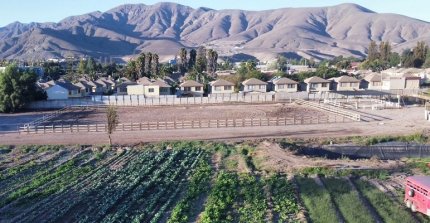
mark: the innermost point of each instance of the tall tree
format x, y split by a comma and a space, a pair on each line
372, 51
384, 51
201, 62
155, 65
82, 66
407, 58
427, 62
183, 64
193, 59
140, 65
112, 121
130, 70
212, 58
148, 64
17, 88
420, 53
91, 66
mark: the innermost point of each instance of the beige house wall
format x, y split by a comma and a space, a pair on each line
412, 84
256, 88
286, 87
349, 86
318, 87
222, 89
192, 90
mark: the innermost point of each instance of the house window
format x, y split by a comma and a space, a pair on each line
198, 88
353, 84
250, 87
314, 85
343, 84
281, 86
70, 92
151, 90
187, 89
290, 86
163, 89
262, 87
227, 88
324, 85
218, 88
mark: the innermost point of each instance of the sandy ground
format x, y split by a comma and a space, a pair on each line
382, 122
204, 112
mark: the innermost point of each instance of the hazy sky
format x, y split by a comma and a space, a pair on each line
55, 10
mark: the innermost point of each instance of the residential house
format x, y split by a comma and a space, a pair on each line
61, 89
108, 82
373, 81
254, 85
121, 86
165, 88
221, 86
191, 88
149, 88
317, 84
86, 89
345, 83
283, 84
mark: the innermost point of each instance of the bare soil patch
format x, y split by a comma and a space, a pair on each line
272, 157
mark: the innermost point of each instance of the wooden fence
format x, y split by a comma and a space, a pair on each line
190, 124
331, 109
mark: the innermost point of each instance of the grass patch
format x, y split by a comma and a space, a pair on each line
327, 171
317, 201
347, 200
389, 211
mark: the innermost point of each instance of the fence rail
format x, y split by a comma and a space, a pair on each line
48, 117
331, 109
188, 124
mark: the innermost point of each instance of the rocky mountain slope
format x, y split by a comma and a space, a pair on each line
126, 30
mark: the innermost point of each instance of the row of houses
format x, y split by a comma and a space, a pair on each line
157, 87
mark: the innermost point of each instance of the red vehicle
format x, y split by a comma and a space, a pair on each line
417, 194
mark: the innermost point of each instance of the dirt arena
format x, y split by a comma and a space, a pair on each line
379, 122
180, 113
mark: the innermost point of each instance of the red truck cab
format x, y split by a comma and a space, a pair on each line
417, 194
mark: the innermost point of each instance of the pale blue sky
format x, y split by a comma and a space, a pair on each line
55, 10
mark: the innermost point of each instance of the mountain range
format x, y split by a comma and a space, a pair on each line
125, 31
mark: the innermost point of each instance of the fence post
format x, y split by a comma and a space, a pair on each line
53, 130
62, 129
294, 119
217, 123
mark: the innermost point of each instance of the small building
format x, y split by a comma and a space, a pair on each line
284, 84
57, 90
221, 86
149, 88
345, 83
315, 83
86, 89
121, 88
373, 81
254, 85
165, 88
191, 88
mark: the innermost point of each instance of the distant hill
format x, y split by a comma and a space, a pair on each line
126, 30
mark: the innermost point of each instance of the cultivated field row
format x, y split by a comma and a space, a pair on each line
180, 182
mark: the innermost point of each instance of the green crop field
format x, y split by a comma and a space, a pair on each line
177, 182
